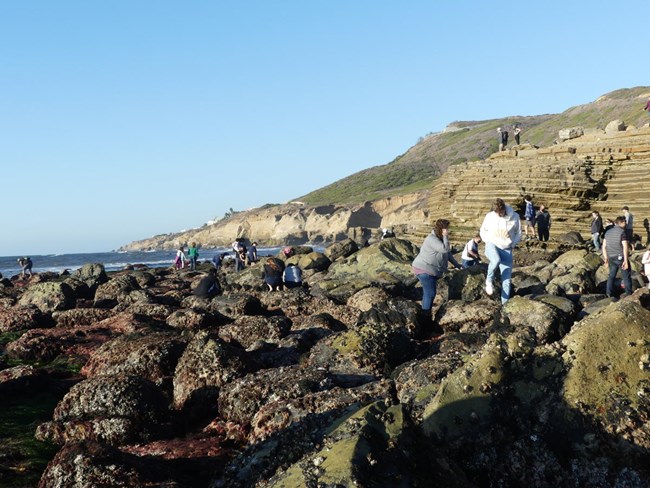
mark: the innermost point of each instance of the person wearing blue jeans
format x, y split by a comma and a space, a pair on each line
501, 258
616, 256
430, 264
501, 232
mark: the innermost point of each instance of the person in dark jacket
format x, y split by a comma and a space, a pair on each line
596, 229
208, 287
432, 261
543, 222
292, 276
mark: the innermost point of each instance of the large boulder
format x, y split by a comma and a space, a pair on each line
314, 261
608, 357
474, 317
615, 126
115, 290
22, 318
92, 274
150, 355
49, 296
386, 264
206, 365
468, 285
570, 133
341, 249
241, 399
247, 330
549, 322
115, 409
78, 317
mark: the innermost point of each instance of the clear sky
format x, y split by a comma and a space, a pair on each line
123, 119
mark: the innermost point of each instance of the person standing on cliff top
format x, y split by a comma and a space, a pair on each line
616, 252
517, 133
503, 138
647, 106
501, 232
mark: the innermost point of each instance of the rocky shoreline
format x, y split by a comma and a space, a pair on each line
335, 384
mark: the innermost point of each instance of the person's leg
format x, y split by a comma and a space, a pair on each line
493, 256
428, 283
505, 267
547, 233
627, 280
613, 269
596, 240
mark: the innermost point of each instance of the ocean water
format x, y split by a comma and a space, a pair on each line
112, 261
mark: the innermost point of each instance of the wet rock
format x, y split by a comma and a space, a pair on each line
21, 379
417, 381
113, 409
368, 298
246, 330
22, 318
49, 344
92, 274
366, 449
550, 323
609, 373
459, 316
151, 312
235, 305
341, 249
241, 399
117, 289
48, 297
467, 284
275, 416
206, 365
148, 354
80, 317
192, 319
92, 464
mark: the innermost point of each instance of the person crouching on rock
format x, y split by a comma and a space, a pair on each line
292, 276
501, 232
430, 264
273, 269
209, 286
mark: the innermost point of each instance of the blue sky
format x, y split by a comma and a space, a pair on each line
124, 119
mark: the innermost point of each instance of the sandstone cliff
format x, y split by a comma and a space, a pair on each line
600, 170
297, 224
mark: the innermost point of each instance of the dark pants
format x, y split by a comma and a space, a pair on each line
542, 232
614, 265
428, 283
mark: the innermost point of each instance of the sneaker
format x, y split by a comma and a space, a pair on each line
488, 288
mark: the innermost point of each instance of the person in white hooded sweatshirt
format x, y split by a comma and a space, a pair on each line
501, 231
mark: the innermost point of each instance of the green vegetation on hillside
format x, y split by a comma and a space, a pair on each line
473, 140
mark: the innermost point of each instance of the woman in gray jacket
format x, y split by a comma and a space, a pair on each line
431, 262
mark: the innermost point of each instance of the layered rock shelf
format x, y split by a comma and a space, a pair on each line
596, 171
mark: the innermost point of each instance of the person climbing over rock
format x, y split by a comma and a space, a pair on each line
273, 269
543, 222
501, 232
429, 265
25, 264
616, 253
470, 256
209, 286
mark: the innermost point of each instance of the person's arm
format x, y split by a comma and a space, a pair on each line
604, 248
626, 253
646, 258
